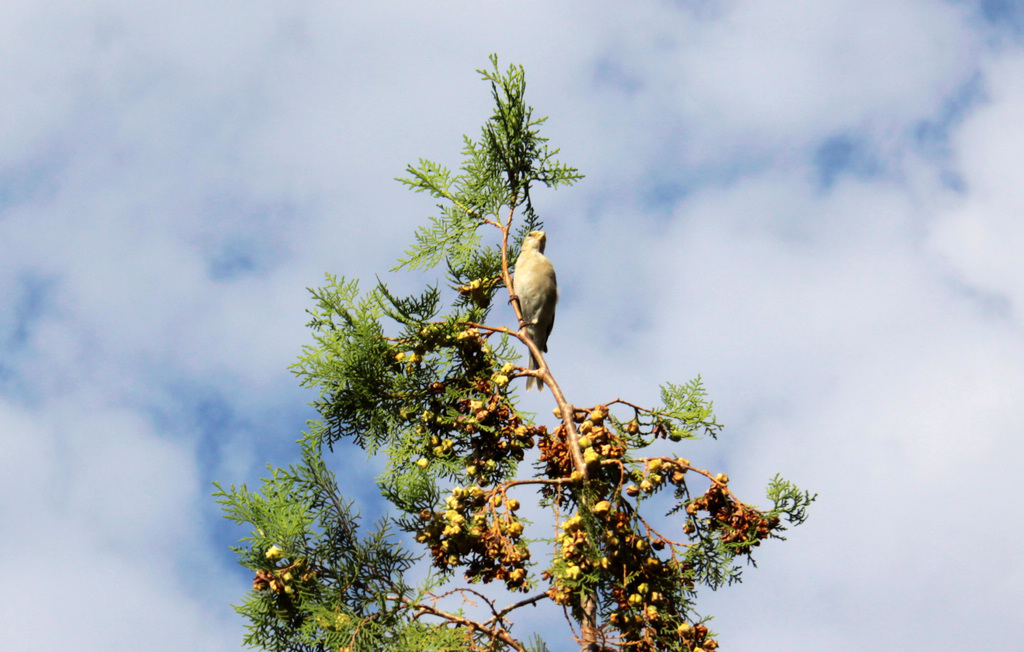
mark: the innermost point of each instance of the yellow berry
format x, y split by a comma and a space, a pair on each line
274, 553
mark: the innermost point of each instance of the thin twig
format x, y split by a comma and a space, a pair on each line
499, 634
512, 607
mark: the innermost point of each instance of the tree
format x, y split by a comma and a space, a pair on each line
435, 393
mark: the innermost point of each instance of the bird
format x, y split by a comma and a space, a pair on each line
537, 289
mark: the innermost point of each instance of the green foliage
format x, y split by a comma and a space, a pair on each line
685, 412
497, 174
536, 644
317, 582
431, 389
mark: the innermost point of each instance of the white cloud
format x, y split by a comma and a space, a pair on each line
803, 68
982, 234
103, 544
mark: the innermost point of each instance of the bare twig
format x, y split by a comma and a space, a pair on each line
495, 633
512, 607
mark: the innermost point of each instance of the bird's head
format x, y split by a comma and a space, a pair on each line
535, 240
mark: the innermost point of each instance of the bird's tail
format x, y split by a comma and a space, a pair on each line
533, 381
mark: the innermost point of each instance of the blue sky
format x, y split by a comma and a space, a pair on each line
814, 205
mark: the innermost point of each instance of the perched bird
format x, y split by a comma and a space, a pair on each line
537, 290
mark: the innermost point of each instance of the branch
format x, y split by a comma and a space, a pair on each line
504, 486
707, 474
499, 634
522, 603
588, 624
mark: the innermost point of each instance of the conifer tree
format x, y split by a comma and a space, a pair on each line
433, 388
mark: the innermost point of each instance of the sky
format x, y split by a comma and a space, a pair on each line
812, 205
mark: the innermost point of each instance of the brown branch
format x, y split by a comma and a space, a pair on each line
632, 405
714, 479
505, 486
506, 277
512, 607
588, 624
659, 534
543, 372
463, 590
499, 633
